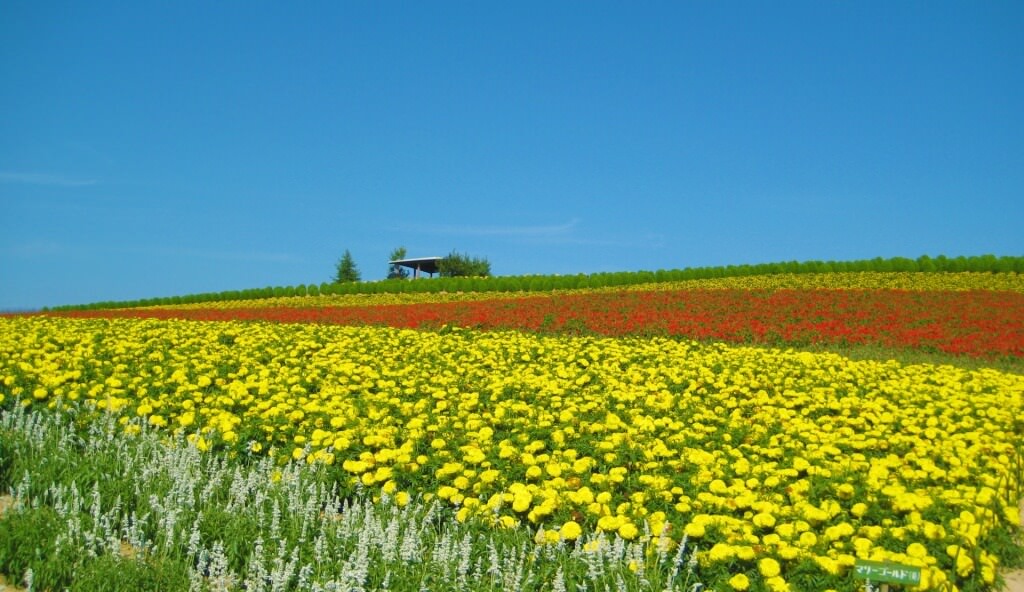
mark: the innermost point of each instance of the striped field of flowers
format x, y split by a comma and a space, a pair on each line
268, 455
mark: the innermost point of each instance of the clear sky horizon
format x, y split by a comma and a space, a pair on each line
155, 149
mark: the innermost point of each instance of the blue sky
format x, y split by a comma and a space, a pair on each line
161, 148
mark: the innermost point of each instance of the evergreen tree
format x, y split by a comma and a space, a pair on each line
347, 271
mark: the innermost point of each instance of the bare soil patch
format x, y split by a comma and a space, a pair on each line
6, 501
1015, 577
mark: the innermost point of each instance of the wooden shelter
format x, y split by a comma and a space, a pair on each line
429, 265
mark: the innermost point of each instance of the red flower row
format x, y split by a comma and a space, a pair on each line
976, 323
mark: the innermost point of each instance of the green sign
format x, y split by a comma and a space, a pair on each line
884, 571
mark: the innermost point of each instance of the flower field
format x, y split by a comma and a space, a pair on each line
953, 316
592, 417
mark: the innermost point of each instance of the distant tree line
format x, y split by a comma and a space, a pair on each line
542, 283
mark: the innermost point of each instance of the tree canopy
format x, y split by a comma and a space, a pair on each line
397, 272
456, 265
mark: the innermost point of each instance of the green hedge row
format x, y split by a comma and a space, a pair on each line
547, 283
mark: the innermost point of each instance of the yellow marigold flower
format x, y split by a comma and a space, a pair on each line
768, 567
917, 550
354, 466
571, 530
988, 574
628, 531
764, 520
694, 530
609, 523
808, 539
546, 537
522, 500
828, 564
964, 565
739, 582
201, 443
721, 552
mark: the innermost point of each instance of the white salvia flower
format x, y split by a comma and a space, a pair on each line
677, 564
256, 576
494, 563
28, 579
513, 580
465, 549
558, 584
663, 543
319, 544
197, 576
357, 568
220, 578
410, 549
635, 556
391, 540
692, 563
281, 576
275, 522
21, 491
194, 538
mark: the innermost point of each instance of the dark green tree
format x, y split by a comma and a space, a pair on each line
397, 272
456, 265
347, 272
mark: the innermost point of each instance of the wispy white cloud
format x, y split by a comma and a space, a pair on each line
224, 255
42, 248
31, 250
646, 241
567, 233
497, 230
44, 179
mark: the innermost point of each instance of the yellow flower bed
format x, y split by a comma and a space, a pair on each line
867, 280
765, 458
